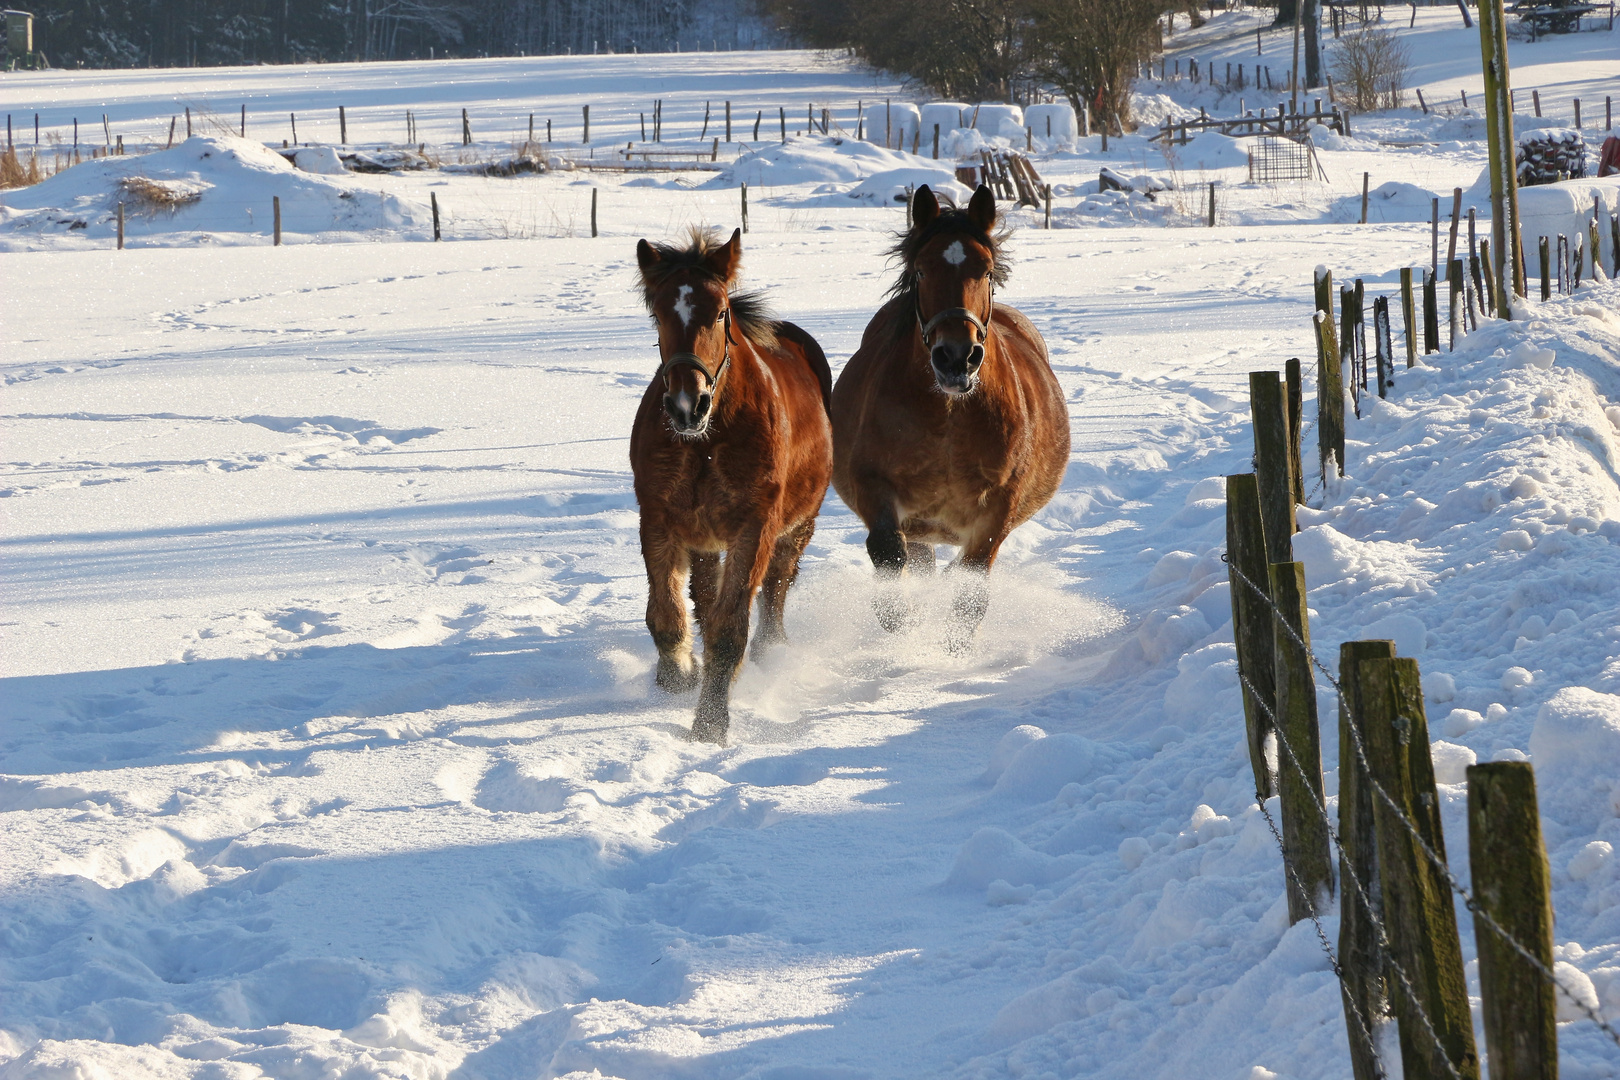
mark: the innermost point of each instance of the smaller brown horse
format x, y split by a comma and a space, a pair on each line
731, 453
948, 424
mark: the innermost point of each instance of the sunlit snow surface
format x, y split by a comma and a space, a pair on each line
328, 744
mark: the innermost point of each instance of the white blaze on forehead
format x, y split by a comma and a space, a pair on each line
683, 306
956, 255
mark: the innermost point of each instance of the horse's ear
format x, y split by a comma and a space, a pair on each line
646, 255
724, 260
924, 209
982, 210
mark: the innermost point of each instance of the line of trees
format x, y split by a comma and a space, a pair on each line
187, 33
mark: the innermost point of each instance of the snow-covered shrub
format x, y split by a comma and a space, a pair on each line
1370, 68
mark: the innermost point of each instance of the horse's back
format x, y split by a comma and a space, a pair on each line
814, 357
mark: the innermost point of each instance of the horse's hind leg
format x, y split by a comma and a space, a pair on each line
704, 585
666, 611
779, 577
725, 633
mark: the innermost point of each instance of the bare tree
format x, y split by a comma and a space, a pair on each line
1090, 49
1370, 66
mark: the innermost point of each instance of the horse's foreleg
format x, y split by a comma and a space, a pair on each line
919, 557
886, 545
666, 561
725, 634
972, 597
779, 577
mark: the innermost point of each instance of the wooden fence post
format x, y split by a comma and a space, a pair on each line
276, 204
433, 199
1329, 397
1251, 620
1366, 179
1419, 917
1409, 316
1454, 280
1271, 464
466, 129
745, 208
343, 126
781, 115
1294, 384
120, 226
728, 121
1383, 349
1431, 314
704, 134
1511, 883
1304, 828
1360, 956
593, 211
586, 111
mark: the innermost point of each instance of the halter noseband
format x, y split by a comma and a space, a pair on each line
693, 360
928, 326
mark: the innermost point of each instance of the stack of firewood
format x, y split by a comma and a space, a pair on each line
1551, 154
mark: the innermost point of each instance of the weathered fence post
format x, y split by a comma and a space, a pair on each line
1409, 316
1511, 881
1419, 917
1329, 396
1295, 385
1431, 314
1454, 279
728, 121
1271, 464
1251, 620
275, 202
593, 211
704, 134
1360, 957
466, 129
586, 111
1546, 269
343, 126
745, 208
1304, 828
120, 226
1383, 347
433, 199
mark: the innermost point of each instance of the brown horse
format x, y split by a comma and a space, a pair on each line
731, 453
948, 424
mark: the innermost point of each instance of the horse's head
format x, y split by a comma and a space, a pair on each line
688, 293
953, 266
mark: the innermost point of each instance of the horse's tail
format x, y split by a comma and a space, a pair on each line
813, 356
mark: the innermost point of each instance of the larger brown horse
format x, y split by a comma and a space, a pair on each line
731, 452
948, 424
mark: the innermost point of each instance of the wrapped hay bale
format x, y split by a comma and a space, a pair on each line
1548, 155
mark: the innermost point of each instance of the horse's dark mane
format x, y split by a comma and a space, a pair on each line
949, 223
750, 313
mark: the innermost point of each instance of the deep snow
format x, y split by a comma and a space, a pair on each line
330, 742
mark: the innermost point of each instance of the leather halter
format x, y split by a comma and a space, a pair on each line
981, 325
693, 360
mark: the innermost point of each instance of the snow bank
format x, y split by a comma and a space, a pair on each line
815, 159
221, 188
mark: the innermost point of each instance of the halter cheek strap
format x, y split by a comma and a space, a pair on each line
981, 325
693, 360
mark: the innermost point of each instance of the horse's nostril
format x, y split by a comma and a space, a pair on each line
703, 403
975, 357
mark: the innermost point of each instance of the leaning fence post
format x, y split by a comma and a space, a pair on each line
1304, 829
1251, 620
1511, 883
1271, 464
1360, 957
1419, 917
433, 199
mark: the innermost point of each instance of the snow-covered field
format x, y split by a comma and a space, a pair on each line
330, 746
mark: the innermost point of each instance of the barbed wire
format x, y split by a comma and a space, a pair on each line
1361, 890
1434, 857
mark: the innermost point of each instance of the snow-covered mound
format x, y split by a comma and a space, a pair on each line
815, 159
208, 188
1212, 150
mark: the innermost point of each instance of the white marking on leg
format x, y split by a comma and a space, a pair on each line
956, 255
683, 306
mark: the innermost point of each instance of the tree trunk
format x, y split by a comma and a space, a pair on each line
1313, 48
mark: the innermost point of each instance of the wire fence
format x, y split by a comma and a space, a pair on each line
1440, 865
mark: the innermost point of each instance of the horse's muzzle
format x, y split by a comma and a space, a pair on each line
686, 416
956, 366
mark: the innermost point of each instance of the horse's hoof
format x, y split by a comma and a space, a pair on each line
763, 644
709, 730
672, 679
